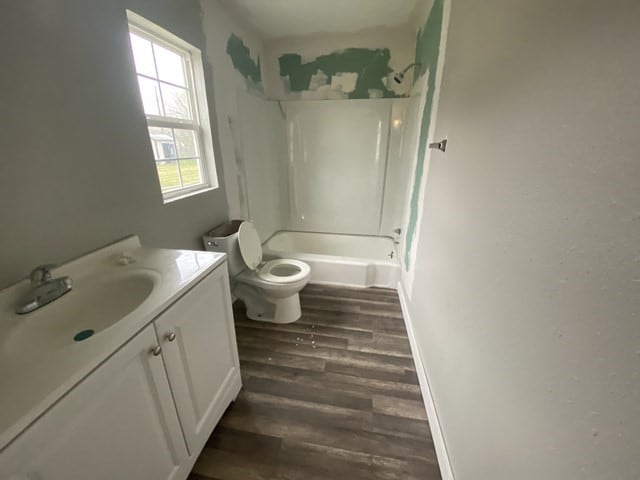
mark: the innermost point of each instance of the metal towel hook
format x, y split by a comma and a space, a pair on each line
441, 145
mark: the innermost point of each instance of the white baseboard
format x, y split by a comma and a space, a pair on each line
427, 397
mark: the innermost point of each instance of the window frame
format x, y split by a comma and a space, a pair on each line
195, 86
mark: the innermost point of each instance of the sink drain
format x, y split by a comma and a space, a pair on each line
83, 335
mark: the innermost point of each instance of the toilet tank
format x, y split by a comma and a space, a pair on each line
224, 238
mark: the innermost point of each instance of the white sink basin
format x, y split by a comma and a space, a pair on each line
94, 304
40, 360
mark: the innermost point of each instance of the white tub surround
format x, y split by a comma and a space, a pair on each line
337, 164
335, 259
42, 376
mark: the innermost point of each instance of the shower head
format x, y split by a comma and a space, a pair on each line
399, 76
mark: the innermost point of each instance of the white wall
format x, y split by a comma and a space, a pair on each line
420, 14
527, 285
218, 25
76, 167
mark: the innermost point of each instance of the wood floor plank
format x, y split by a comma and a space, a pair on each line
311, 414
338, 355
348, 292
216, 463
277, 358
307, 338
316, 394
387, 373
309, 328
195, 476
381, 304
268, 369
240, 441
372, 386
383, 344
404, 427
399, 407
329, 306
358, 440
357, 321
333, 381
332, 396
338, 463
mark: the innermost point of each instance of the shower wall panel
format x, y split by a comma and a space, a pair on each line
264, 158
399, 163
337, 162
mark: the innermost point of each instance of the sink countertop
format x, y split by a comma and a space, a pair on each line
29, 386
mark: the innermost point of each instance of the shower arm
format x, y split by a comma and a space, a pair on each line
406, 69
399, 76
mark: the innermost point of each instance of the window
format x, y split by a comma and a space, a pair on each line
171, 82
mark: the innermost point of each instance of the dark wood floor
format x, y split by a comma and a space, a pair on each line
331, 396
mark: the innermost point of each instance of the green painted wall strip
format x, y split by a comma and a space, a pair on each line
427, 53
242, 61
371, 65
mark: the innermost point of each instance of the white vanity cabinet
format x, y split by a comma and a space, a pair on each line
200, 354
147, 411
120, 422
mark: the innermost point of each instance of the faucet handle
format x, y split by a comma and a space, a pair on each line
41, 274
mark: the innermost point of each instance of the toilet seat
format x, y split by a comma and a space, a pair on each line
280, 273
275, 271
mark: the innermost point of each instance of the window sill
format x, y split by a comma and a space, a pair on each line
188, 194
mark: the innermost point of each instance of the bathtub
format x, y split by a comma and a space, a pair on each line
336, 259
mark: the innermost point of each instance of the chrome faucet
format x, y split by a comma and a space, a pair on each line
44, 289
41, 274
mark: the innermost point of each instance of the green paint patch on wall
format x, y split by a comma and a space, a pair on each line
242, 61
371, 66
427, 53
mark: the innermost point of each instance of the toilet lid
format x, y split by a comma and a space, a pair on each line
250, 246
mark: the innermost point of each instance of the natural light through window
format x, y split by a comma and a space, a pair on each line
171, 83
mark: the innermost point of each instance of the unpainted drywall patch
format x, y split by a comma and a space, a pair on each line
427, 52
241, 58
352, 73
239, 167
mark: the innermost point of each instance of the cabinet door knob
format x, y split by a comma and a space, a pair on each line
155, 351
171, 336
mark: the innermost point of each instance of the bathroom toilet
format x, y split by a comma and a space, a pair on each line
268, 289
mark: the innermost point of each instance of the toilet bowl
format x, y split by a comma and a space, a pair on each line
268, 289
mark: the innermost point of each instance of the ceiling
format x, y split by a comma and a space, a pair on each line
283, 18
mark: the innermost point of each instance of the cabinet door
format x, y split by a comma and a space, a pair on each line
118, 423
202, 359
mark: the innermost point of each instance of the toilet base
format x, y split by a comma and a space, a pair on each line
263, 308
